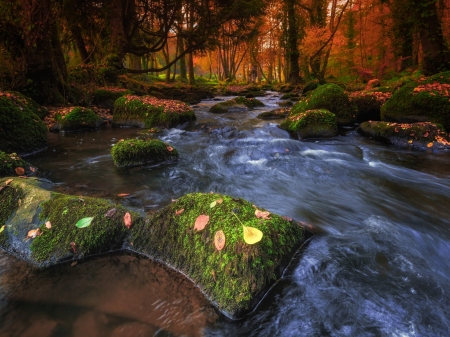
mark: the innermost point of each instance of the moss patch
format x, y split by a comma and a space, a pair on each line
9, 163
236, 277
9, 202
330, 97
239, 103
426, 99
21, 130
147, 111
80, 119
104, 234
28, 103
311, 124
133, 152
105, 97
416, 135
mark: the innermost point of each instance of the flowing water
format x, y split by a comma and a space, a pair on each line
381, 266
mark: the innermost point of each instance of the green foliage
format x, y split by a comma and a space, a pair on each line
9, 203
21, 130
132, 152
330, 97
237, 276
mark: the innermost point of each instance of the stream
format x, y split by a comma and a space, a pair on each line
380, 267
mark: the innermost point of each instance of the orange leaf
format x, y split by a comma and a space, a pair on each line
127, 220
123, 194
33, 233
219, 240
430, 144
201, 221
20, 171
262, 215
8, 182
169, 148
179, 211
219, 201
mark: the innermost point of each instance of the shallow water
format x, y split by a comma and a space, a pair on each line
381, 268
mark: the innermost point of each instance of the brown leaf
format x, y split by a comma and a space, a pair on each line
262, 214
426, 134
201, 221
127, 220
73, 264
20, 171
48, 224
73, 245
219, 201
169, 148
110, 213
219, 240
179, 211
8, 182
32, 169
123, 194
33, 233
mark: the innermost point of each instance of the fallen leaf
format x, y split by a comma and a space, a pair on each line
110, 213
213, 204
32, 169
252, 235
48, 225
219, 240
213, 273
20, 171
430, 144
85, 222
169, 148
33, 233
201, 221
73, 264
426, 134
179, 211
410, 141
219, 201
8, 182
73, 245
123, 194
2, 229
127, 220
262, 214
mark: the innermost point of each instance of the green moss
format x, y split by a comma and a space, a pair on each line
312, 123
9, 203
419, 101
63, 212
151, 112
9, 162
235, 277
330, 97
28, 103
21, 130
81, 118
310, 86
132, 152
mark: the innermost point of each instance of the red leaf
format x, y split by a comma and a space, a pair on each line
127, 220
201, 222
74, 247
123, 194
20, 171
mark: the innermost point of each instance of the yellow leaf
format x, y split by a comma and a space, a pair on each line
410, 141
252, 235
2, 229
213, 204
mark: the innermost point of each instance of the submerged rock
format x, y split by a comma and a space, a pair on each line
148, 111
332, 98
274, 114
44, 229
21, 129
238, 104
415, 135
311, 124
133, 152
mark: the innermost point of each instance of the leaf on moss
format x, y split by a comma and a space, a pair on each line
127, 220
110, 213
2, 229
201, 221
48, 224
252, 235
8, 182
213, 204
33, 233
169, 148
123, 194
20, 171
73, 245
219, 201
219, 240
85, 222
179, 211
262, 214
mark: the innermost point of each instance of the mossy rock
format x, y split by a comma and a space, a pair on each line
426, 100
274, 114
330, 97
369, 105
27, 102
21, 129
105, 97
233, 279
237, 104
134, 152
148, 112
80, 119
311, 124
239, 275
10, 162
422, 135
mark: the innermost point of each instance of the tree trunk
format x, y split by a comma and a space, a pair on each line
294, 55
191, 69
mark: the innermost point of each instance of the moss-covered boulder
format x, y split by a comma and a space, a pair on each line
27, 103
421, 135
106, 97
79, 119
369, 104
330, 97
236, 277
12, 164
311, 124
21, 129
237, 104
133, 152
274, 114
148, 111
46, 228
423, 100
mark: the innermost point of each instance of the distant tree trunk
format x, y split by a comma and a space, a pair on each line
118, 38
183, 71
294, 55
191, 69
